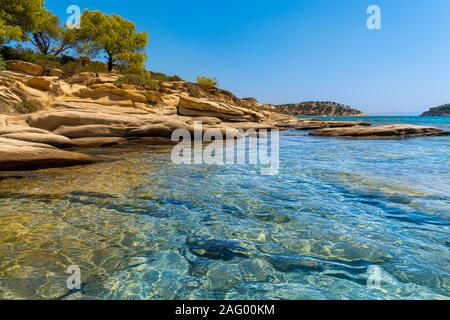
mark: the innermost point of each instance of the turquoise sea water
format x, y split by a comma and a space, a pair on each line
143, 228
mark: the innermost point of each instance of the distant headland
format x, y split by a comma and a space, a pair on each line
440, 111
318, 108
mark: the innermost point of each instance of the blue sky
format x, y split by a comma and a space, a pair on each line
283, 51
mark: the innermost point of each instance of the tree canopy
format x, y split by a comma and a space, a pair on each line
100, 35
17, 17
114, 37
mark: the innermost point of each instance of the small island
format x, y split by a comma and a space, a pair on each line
441, 111
319, 108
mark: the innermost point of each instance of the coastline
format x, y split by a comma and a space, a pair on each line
93, 110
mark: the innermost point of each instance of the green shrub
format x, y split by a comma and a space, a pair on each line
28, 55
206, 81
20, 53
141, 80
74, 67
28, 106
164, 77
71, 68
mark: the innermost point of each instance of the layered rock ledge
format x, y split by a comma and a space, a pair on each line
389, 131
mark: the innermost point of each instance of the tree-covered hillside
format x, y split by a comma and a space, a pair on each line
318, 108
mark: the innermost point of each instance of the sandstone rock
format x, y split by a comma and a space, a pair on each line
170, 100
202, 107
24, 133
20, 155
103, 78
96, 130
56, 73
82, 77
162, 130
45, 138
98, 142
205, 120
169, 104
398, 130
25, 67
91, 78
320, 124
88, 107
8, 129
154, 96
149, 108
52, 120
251, 125
40, 83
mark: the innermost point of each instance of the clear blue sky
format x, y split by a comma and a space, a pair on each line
282, 51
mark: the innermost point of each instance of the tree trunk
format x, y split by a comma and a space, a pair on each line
110, 63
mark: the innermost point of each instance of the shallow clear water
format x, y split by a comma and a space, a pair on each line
144, 228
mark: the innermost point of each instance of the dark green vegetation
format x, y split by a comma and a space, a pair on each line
318, 108
440, 111
207, 81
141, 80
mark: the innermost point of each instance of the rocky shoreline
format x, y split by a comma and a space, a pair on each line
90, 110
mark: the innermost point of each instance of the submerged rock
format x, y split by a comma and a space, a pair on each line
217, 249
398, 130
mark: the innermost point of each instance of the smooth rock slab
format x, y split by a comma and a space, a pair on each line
52, 120
21, 155
401, 130
321, 124
45, 138
94, 130
98, 142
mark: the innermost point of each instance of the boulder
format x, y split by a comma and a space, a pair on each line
25, 67
398, 130
18, 155
39, 83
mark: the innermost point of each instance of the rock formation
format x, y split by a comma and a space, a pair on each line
395, 131
94, 110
